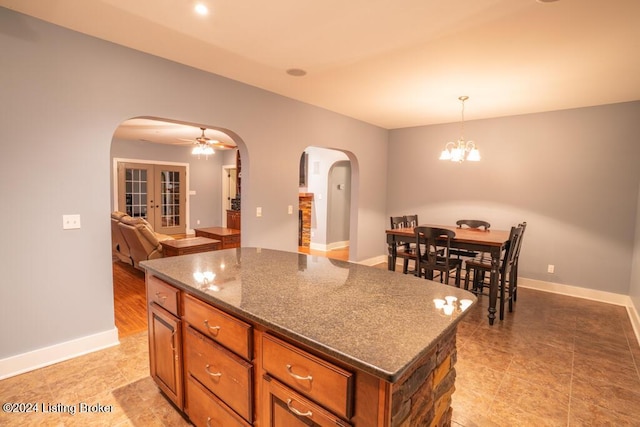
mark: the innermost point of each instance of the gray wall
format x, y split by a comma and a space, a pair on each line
634, 288
205, 176
63, 95
338, 202
572, 175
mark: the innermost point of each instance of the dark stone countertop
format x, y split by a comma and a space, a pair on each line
375, 320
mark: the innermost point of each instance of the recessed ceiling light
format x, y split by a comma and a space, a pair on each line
546, 1
201, 9
296, 72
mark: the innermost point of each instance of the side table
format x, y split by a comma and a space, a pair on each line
190, 245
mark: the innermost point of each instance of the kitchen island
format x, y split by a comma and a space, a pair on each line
253, 336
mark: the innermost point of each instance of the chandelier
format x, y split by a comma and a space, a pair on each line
461, 150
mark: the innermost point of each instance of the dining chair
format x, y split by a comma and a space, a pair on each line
471, 223
480, 266
513, 288
433, 246
403, 249
411, 220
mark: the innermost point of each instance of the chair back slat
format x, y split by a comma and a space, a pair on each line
473, 223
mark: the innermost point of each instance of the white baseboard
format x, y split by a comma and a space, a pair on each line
42, 357
330, 247
575, 291
374, 261
635, 320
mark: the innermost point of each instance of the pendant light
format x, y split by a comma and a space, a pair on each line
461, 150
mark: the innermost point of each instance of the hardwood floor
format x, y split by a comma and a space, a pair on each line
341, 254
130, 300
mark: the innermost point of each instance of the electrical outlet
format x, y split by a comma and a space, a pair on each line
551, 268
258, 211
290, 209
70, 222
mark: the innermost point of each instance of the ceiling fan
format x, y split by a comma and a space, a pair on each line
203, 142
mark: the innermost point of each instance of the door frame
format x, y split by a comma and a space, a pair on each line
225, 193
114, 181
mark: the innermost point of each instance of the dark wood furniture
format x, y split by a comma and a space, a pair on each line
433, 247
190, 245
165, 339
256, 349
233, 219
403, 248
508, 269
470, 223
491, 241
229, 237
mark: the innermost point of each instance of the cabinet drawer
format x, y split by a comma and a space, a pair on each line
227, 376
163, 294
317, 379
285, 407
219, 326
206, 410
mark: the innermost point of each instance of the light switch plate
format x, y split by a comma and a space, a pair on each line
70, 222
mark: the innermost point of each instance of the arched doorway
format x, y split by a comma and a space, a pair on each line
164, 142
325, 202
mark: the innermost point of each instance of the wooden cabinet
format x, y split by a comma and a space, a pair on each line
221, 370
309, 375
165, 339
217, 353
284, 407
233, 219
232, 333
206, 410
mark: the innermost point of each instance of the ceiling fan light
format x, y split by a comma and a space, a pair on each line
207, 151
197, 150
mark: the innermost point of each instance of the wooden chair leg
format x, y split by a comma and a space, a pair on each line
502, 284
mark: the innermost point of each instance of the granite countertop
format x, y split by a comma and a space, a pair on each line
373, 319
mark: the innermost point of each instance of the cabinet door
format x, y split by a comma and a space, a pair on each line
284, 407
165, 342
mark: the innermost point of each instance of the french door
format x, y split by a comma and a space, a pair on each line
155, 193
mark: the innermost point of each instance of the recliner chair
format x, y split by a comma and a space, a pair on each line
119, 246
144, 243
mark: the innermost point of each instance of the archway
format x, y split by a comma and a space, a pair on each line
161, 141
326, 202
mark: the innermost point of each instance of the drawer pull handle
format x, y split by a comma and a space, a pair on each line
161, 298
307, 414
213, 374
213, 330
298, 377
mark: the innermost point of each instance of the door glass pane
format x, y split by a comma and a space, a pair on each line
170, 187
135, 192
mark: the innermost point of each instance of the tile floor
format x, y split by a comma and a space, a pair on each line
555, 361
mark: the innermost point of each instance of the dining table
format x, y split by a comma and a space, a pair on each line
490, 241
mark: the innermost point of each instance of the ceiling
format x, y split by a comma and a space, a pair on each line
149, 130
392, 63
